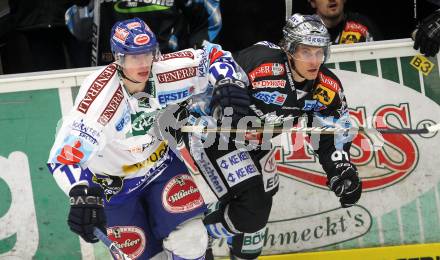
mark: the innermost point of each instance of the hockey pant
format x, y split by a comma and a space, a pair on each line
244, 183
164, 218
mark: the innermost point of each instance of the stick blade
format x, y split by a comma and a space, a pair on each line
433, 128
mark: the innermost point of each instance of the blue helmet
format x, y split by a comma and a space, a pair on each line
133, 36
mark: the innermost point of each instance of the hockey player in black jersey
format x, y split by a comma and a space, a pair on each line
286, 82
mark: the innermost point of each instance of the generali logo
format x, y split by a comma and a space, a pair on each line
378, 167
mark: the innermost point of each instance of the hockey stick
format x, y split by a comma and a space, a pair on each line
313, 130
114, 250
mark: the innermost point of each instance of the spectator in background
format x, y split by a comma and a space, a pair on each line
344, 26
39, 37
178, 24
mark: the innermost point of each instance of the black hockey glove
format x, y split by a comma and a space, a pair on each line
231, 93
86, 212
345, 183
428, 35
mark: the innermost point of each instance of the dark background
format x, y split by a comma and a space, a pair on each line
248, 21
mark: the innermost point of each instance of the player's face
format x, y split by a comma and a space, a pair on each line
307, 60
328, 8
138, 67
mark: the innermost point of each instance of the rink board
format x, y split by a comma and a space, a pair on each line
407, 252
400, 204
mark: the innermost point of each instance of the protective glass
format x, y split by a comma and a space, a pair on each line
136, 61
310, 54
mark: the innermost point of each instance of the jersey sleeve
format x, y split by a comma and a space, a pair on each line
78, 138
214, 65
75, 144
221, 64
335, 114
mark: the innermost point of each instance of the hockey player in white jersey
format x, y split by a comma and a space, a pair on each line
120, 175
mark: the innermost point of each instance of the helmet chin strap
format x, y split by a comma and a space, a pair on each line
299, 73
127, 78
292, 64
121, 74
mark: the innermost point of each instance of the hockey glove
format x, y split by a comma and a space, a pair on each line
428, 35
231, 93
345, 183
86, 212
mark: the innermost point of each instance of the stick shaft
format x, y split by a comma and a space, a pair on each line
312, 130
114, 250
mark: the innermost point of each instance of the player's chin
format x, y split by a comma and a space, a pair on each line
142, 76
311, 74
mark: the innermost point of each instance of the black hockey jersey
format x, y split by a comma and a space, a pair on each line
354, 28
277, 99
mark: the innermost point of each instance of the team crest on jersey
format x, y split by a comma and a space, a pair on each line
130, 239
324, 94
181, 195
353, 33
350, 37
141, 122
111, 185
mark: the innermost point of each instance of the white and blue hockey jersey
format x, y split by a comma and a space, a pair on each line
108, 132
